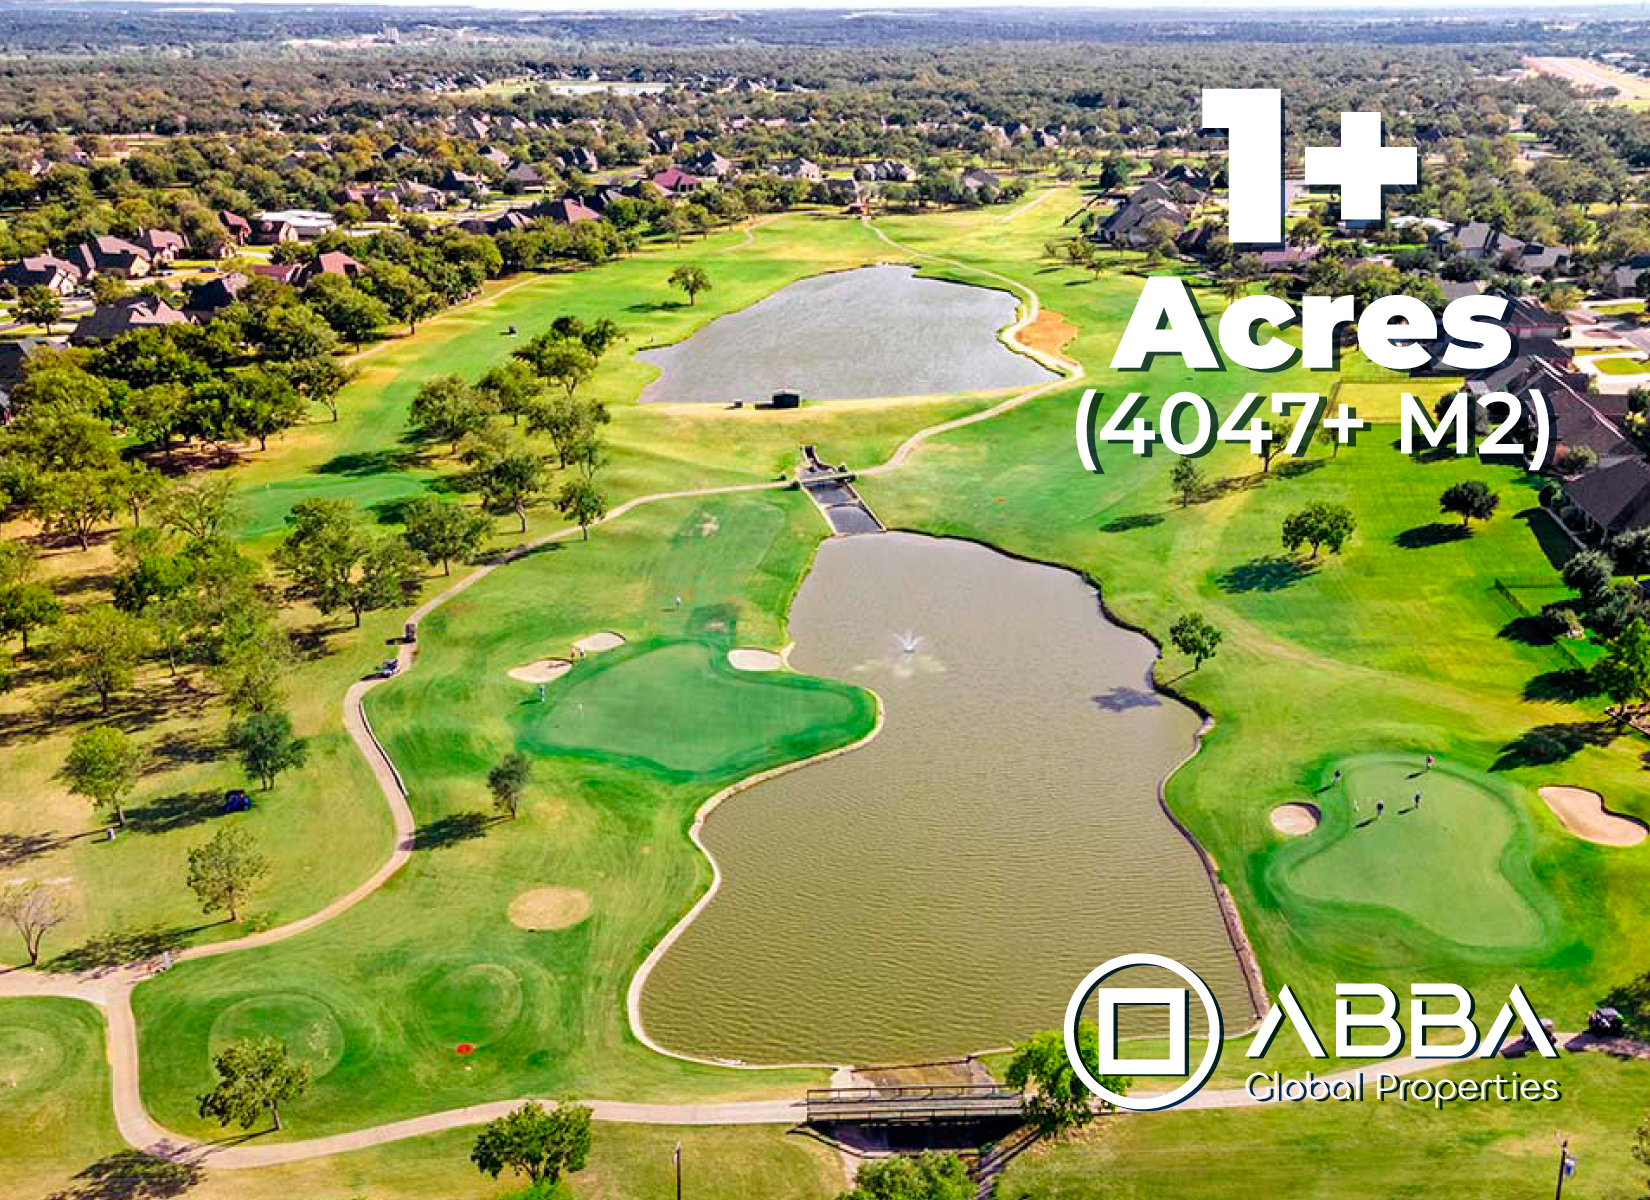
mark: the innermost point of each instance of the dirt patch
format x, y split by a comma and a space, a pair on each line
748, 658
1049, 333
595, 643
1592, 76
549, 908
545, 670
1295, 819
1582, 812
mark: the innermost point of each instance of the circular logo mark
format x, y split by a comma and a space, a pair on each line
1110, 1000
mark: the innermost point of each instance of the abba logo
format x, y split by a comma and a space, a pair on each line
1176, 1001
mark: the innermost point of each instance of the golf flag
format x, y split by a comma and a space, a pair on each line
1569, 1166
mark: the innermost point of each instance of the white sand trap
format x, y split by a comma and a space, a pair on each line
546, 670
1295, 819
749, 658
549, 908
1583, 813
595, 643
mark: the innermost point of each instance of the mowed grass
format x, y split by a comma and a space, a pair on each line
1456, 862
1400, 645
676, 707
379, 999
58, 1142
1388, 1148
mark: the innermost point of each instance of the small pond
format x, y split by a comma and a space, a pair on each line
943, 888
874, 331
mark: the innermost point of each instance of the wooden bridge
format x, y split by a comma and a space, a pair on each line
939, 1103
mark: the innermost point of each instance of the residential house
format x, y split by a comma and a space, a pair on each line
1612, 500
163, 245
14, 361
569, 212
459, 181
1623, 279
579, 158
56, 275
291, 273
211, 296
976, 178
106, 255
108, 321
293, 225
1134, 219
673, 181
525, 176
1483, 242
237, 227
885, 171
334, 262
708, 163
798, 168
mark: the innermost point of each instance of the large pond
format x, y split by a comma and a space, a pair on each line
874, 331
943, 888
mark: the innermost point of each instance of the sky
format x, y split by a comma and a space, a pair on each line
1262, 8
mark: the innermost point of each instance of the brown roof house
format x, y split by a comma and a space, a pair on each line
55, 274
108, 321
163, 245
107, 255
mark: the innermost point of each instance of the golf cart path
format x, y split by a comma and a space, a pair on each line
111, 989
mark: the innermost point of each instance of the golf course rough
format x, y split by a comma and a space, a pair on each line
675, 707
1455, 867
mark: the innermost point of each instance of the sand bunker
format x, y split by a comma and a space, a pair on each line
549, 908
546, 670
748, 658
595, 643
1295, 819
1583, 813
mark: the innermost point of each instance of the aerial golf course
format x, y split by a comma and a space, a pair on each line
496, 963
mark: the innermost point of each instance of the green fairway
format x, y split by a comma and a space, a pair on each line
1457, 864
381, 998
675, 706
1390, 1148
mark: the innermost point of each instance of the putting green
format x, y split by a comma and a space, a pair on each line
303, 1024
31, 1062
1457, 865
478, 1004
675, 706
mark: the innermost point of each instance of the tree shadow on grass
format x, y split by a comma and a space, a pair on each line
1293, 468
133, 1175
108, 951
1132, 521
178, 811
178, 748
452, 829
647, 306
1533, 629
370, 462
20, 847
1271, 573
1552, 743
1437, 533
1568, 686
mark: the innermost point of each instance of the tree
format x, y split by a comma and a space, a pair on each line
1631, 552
448, 409
333, 560
101, 647
569, 423
224, 870
255, 1076
317, 380
267, 746
510, 480
1056, 1099
77, 502
1591, 573
442, 530
559, 360
582, 501
34, 910
508, 780
532, 1142
1192, 635
198, 508
691, 280
25, 607
512, 387
1320, 525
1187, 480
1623, 674
1471, 500
38, 305
103, 765
352, 314
930, 1176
